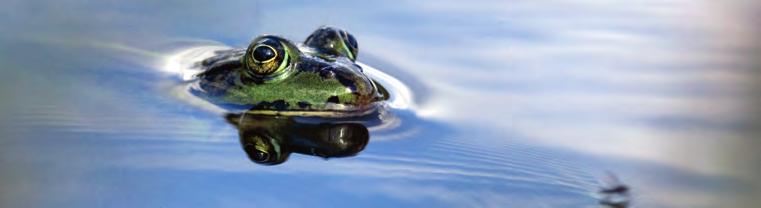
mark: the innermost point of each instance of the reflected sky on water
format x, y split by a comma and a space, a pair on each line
517, 103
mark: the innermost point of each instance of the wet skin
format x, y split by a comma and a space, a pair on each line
276, 77
269, 140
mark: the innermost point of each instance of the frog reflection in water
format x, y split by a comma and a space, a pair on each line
279, 84
276, 77
269, 140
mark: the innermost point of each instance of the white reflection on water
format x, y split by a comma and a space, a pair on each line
532, 99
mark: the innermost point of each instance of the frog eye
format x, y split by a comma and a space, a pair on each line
255, 152
267, 56
264, 54
258, 148
350, 42
333, 41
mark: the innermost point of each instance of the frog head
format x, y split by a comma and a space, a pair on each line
278, 78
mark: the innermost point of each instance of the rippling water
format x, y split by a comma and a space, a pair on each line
514, 104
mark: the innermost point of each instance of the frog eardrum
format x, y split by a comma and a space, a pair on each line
268, 56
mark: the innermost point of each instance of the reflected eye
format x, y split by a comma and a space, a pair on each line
255, 153
264, 53
260, 156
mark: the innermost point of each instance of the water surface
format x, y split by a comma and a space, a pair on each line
515, 103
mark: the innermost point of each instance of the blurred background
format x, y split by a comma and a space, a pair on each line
515, 104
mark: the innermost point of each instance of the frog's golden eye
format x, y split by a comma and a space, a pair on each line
268, 56
264, 54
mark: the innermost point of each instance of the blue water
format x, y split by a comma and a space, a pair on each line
514, 104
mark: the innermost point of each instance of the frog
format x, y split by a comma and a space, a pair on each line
273, 76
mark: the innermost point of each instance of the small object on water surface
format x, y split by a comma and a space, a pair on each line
614, 194
276, 77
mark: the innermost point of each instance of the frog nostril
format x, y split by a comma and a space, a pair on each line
333, 99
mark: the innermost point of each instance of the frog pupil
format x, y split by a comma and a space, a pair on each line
260, 155
264, 53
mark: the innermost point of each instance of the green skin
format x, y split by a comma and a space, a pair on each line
275, 77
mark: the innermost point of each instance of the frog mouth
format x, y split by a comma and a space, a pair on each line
331, 110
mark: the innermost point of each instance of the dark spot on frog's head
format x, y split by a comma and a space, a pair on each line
333, 99
280, 105
303, 104
346, 80
262, 105
275, 105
